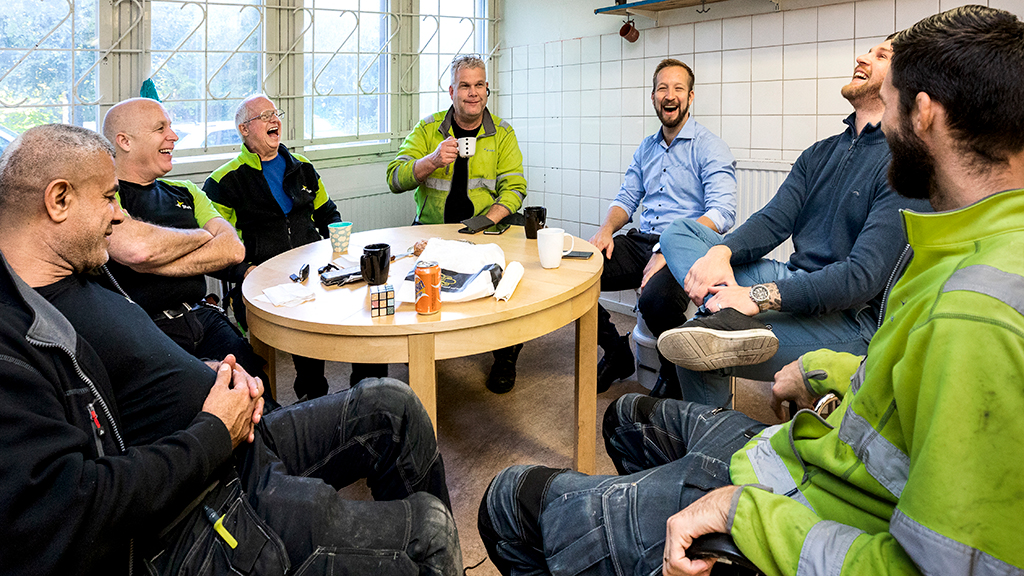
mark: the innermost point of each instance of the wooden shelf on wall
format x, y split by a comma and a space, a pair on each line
650, 8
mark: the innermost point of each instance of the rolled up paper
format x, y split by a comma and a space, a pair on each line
509, 280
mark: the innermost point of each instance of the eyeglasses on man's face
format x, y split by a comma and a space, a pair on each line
266, 116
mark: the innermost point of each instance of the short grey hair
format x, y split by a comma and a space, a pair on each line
466, 61
40, 156
242, 112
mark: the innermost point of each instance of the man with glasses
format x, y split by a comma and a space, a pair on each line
124, 454
277, 202
450, 188
171, 237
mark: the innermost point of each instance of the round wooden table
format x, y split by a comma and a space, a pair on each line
337, 325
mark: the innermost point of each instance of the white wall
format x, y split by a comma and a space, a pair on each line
768, 82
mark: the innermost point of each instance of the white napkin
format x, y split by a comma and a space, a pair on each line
291, 294
509, 280
347, 260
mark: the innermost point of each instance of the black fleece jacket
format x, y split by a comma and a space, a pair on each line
241, 194
72, 496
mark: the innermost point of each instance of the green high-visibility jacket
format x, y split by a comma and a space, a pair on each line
495, 171
919, 470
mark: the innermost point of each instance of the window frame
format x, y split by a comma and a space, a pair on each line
123, 46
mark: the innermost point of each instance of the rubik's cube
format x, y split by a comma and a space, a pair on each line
382, 300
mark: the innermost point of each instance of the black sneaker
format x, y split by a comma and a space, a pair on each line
723, 339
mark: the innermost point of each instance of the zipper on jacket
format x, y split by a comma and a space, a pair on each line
92, 388
113, 281
97, 431
897, 271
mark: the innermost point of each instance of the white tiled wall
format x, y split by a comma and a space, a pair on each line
766, 83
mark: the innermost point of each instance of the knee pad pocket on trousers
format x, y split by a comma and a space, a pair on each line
638, 407
530, 494
434, 529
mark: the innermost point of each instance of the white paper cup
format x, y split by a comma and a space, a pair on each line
467, 146
551, 246
341, 234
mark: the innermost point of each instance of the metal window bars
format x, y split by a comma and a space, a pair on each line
302, 45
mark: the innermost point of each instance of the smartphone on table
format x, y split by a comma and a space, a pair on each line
497, 229
579, 254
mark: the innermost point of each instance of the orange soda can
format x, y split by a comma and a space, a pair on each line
428, 287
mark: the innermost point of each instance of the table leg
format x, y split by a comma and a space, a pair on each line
270, 355
423, 373
586, 392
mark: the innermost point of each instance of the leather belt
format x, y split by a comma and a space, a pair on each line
172, 313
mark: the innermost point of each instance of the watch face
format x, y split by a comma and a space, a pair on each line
759, 293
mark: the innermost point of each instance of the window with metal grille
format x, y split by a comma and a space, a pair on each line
346, 72
49, 64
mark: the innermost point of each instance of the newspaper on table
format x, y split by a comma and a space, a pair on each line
468, 271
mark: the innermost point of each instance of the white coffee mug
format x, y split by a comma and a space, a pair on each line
467, 146
551, 246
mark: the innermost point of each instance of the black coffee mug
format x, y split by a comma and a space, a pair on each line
536, 217
375, 263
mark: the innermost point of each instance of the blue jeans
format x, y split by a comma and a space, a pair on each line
846, 331
536, 520
302, 456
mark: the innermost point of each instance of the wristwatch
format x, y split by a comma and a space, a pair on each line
759, 294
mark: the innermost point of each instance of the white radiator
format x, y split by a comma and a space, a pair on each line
380, 210
756, 183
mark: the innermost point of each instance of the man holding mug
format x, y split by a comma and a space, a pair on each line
482, 176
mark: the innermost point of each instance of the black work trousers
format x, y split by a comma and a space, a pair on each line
625, 270
207, 334
378, 431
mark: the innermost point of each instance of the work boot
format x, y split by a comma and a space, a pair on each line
667, 385
503, 372
309, 388
617, 364
361, 371
721, 340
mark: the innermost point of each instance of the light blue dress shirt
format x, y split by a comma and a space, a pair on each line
694, 176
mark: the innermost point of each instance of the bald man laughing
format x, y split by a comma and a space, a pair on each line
171, 236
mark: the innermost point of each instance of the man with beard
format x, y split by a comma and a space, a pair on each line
843, 218
916, 470
681, 171
103, 474
450, 188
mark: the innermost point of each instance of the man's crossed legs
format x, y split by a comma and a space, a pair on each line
305, 453
537, 520
845, 331
624, 271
